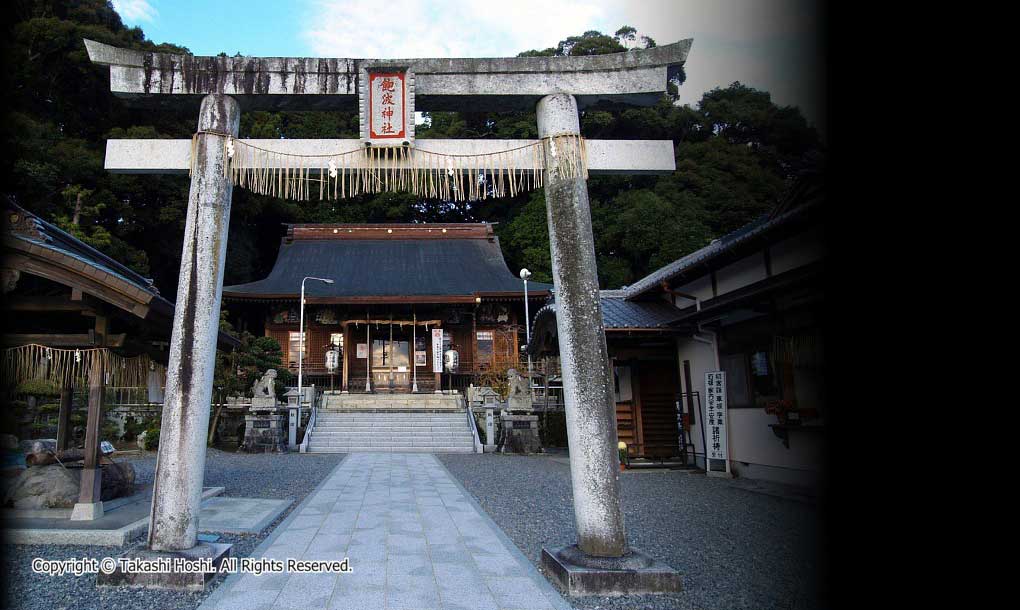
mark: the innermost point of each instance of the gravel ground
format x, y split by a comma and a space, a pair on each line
735, 548
289, 475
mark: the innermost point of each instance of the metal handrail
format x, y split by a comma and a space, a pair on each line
479, 448
303, 447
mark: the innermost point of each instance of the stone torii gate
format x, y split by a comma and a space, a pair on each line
386, 157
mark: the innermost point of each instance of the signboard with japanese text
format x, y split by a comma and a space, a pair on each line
387, 105
437, 350
715, 415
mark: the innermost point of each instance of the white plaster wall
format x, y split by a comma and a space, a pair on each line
752, 442
703, 360
797, 251
700, 287
755, 452
742, 273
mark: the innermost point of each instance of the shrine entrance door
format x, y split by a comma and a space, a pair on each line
391, 362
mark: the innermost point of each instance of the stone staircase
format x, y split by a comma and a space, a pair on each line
418, 423
392, 402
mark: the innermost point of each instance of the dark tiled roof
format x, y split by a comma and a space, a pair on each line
35, 230
365, 267
620, 313
731, 241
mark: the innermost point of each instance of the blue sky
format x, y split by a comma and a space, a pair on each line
767, 44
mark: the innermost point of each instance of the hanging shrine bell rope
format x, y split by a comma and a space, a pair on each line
59, 366
377, 169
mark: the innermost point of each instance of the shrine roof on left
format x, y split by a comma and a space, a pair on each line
29, 237
389, 263
33, 246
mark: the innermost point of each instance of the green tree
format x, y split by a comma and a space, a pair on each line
737, 154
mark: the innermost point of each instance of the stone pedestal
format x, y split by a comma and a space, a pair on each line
633, 573
187, 570
87, 511
490, 434
521, 433
265, 432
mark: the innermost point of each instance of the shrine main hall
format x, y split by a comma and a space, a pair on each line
393, 285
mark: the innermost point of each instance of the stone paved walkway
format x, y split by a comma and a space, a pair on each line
415, 539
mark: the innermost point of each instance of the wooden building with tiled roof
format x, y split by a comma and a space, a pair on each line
393, 284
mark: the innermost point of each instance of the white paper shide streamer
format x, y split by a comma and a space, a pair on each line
377, 169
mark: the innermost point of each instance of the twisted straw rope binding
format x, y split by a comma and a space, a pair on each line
377, 169
34, 361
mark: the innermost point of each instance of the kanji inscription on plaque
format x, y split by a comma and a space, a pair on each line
387, 100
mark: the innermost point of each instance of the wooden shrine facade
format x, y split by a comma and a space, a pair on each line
394, 284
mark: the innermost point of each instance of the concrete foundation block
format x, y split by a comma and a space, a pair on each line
87, 512
207, 557
633, 574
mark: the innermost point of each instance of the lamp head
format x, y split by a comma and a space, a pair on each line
525, 274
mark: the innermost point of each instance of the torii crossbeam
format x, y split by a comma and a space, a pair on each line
386, 94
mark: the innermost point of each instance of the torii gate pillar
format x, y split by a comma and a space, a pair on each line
587, 377
600, 562
180, 463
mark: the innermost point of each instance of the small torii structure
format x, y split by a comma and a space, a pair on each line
386, 93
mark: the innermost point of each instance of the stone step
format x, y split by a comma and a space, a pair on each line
394, 427
354, 449
400, 430
334, 436
394, 411
395, 440
467, 446
386, 429
408, 415
459, 423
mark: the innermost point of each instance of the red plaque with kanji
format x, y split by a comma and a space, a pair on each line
387, 104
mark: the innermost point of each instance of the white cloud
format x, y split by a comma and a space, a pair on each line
453, 28
767, 44
134, 11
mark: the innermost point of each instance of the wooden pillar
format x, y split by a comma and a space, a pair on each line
64, 416
368, 363
347, 355
439, 376
90, 505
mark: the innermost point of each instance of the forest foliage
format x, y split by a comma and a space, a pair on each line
737, 154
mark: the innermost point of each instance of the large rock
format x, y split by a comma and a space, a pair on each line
45, 487
118, 480
54, 486
38, 445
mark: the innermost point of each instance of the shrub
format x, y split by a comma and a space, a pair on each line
151, 438
552, 428
109, 432
38, 387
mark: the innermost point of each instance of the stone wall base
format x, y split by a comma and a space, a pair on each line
520, 434
265, 433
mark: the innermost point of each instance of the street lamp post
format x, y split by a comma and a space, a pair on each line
525, 274
301, 353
